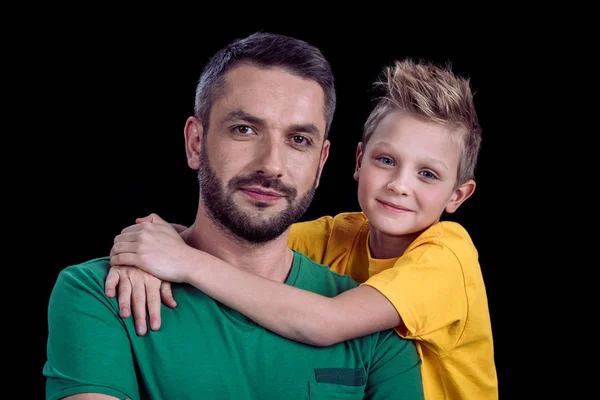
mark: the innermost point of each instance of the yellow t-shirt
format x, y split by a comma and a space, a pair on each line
437, 288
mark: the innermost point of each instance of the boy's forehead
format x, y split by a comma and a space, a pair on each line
403, 131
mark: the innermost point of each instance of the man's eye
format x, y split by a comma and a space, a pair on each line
300, 140
244, 130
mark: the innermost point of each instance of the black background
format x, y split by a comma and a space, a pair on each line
108, 99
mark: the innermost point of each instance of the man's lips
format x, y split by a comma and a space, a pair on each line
394, 207
260, 194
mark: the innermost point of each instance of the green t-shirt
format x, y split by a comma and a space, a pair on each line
205, 350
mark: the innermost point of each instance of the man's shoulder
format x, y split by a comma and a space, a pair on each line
89, 274
320, 278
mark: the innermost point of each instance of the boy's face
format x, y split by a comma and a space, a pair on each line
407, 174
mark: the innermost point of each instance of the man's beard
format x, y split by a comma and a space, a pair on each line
250, 227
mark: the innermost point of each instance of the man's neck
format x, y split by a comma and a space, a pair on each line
270, 260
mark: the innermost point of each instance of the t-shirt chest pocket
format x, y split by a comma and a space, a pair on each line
337, 383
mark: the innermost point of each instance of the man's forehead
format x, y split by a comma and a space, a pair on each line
245, 77
273, 96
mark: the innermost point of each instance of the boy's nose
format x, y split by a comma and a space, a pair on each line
399, 185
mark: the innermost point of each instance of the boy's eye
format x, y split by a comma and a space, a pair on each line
428, 174
385, 160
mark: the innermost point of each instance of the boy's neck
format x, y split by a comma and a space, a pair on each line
383, 246
272, 260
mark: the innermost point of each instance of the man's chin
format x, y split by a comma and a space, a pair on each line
257, 232
262, 213
255, 207
259, 222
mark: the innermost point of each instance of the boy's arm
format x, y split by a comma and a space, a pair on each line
88, 348
139, 291
291, 312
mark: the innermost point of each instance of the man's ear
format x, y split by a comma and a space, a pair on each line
462, 193
359, 157
324, 156
194, 133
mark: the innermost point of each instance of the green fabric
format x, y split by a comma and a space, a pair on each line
205, 350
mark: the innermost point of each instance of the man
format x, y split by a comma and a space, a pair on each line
264, 106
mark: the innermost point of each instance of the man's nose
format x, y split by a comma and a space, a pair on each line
271, 158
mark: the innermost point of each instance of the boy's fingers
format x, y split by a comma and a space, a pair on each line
155, 218
112, 280
138, 297
143, 219
167, 295
124, 298
153, 297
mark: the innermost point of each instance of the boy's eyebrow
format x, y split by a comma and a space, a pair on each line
436, 161
430, 160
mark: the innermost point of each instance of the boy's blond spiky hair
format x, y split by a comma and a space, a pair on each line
433, 94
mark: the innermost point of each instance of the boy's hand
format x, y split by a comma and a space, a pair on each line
137, 287
155, 247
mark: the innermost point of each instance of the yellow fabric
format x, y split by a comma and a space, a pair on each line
437, 288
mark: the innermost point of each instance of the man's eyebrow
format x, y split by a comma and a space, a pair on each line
239, 115
309, 129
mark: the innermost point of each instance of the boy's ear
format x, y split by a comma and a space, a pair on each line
462, 193
359, 157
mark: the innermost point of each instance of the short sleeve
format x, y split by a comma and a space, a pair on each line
88, 348
395, 370
427, 287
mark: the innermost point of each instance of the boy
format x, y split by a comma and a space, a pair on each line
417, 274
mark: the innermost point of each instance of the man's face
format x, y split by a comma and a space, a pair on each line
261, 160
